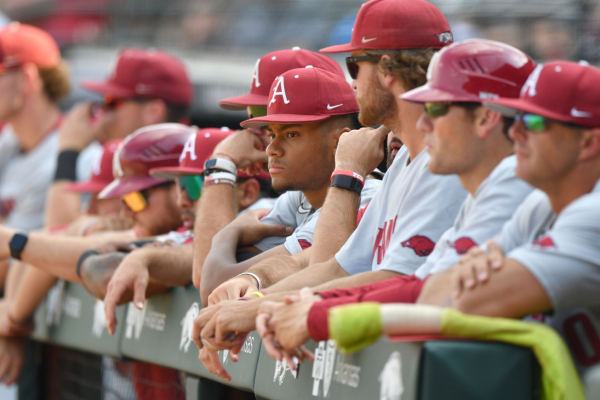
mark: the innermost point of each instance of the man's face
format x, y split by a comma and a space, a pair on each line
547, 156
393, 146
187, 207
376, 102
104, 207
161, 214
121, 117
451, 141
11, 97
301, 156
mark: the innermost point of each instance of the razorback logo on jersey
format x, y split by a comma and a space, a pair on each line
544, 242
422, 245
6, 206
463, 244
383, 239
305, 244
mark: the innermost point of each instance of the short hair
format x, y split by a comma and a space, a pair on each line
176, 112
56, 81
409, 66
349, 121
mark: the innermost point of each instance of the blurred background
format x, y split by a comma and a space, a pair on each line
219, 41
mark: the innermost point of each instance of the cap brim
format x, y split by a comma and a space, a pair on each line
121, 187
282, 119
172, 173
86, 187
107, 88
509, 108
341, 48
241, 102
427, 94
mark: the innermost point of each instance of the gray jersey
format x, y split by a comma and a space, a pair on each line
480, 218
563, 253
407, 216
292, 209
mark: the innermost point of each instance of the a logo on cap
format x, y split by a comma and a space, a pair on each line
255, 74
143, 89
281, 92
532, 81
580, 114
10, 61
445, 37
332, 107
189, 147
365, 40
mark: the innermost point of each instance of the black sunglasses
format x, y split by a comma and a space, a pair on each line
351, 63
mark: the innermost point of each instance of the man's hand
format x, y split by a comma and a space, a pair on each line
97, 271
131, 275
475, 268
287, 324
361, 150
212, 362
233, 289
251, 230
78, 129
12, 356
10, 327
245, 149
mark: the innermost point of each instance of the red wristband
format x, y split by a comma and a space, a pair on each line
348, 173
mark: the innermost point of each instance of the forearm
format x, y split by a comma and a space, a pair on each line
363, 278
62, 207
15, 275
275, 269
311, 276
170, 266
32, 289
336, 223
215, 211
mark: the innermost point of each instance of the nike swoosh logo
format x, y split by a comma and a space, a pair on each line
332, 107
302, 210
367, 40
580, 114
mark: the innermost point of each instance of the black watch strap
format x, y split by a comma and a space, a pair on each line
17, 244
347, 182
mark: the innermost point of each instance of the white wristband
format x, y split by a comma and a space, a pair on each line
255, 277
221, 175
222, 164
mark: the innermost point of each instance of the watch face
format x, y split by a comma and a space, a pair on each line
210, 163
18, 242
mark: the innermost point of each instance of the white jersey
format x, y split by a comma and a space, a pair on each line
405, 219
563, 253
25, 179
87, 158
293, 209
480, 218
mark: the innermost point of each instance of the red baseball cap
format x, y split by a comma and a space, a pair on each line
564, 91
101, 171
21, 43
146, 74
198, 148
272, 65
149, 147
304, 95
473, 71
397, 25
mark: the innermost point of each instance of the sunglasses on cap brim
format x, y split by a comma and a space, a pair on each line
192, 184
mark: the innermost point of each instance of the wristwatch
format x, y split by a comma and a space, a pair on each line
347, 182
17, 244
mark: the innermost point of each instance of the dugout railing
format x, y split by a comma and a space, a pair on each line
391, 369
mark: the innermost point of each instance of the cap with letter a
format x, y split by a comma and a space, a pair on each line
272, 65
397, 25
306, 95
21, 43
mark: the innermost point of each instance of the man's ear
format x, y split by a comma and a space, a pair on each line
487, 121
590, 144
30, 78
154, 112
386, 79
247, 193
335, 137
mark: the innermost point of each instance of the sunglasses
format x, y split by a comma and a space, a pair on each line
138, 201
439, 109
110, 103
351, 64
192, 185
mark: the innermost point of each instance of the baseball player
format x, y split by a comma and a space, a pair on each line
145, 87
463, 138
546, 258
413, 207
246, 149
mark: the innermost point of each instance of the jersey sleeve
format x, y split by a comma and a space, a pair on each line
86, 160
566, 259
283, 212
302, 238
